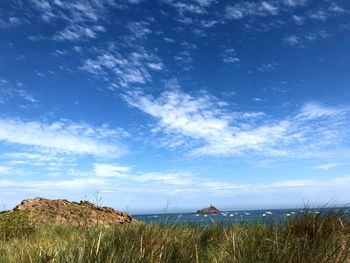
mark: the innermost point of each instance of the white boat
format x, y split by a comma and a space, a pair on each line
268, 212
264, 214
231, 215
287, 214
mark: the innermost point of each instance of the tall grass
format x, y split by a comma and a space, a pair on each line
308, 237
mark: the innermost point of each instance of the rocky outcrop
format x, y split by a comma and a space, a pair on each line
41, 211
208, 210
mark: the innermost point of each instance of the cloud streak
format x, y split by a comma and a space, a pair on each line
67, 138
204, 126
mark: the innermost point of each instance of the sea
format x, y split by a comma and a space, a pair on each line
226, 217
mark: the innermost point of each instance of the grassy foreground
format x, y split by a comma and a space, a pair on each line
305, 238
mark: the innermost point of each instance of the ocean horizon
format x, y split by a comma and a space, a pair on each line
231, 216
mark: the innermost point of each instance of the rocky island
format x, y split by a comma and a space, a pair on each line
42, 211
208, 210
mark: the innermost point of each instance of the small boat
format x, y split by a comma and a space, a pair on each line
287, 214
264, 214
231, 215
247, 214
268, 212
205, 215
196, 214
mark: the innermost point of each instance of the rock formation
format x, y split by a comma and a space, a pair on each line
39, 211
208, 210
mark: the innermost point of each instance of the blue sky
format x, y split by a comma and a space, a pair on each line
241, 104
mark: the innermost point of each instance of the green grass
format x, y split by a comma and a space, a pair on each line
306, 238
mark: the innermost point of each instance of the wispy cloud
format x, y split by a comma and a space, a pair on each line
246, 9
242, 10
69, 138
335, 8
294, 3
163, 184
229, 56
140, 29
82, 19
125, 68
10, 92
194, 6
206, 128
326, 166
110, 170
78, 33
319, 14
299, 20
5, 169
299, 40
72, 184
314, 110
267, 67
10, 22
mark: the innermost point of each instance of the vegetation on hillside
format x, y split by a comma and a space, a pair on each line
308, 237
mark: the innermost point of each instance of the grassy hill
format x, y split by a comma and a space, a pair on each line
307, 238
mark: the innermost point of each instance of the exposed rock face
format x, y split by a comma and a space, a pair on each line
208, 210
45, 211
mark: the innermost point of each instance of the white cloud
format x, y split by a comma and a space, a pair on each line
326, 166
246, 9
268, 67
299, 20
206, 3
10, 92
292, 40
184, 60
192, 7
109, 170
229, 56
314, 110
62, 137
10, 22
127, 68
73, 184
82, 18
334, 7
300, 39
168, 178
206, 128
139, 29
294, 3
318, 15
78, 33
74, 12
5, 169
229, 188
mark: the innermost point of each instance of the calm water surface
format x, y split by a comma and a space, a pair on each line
278, 215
